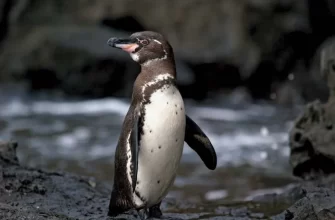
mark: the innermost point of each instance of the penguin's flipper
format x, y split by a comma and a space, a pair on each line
200, 143
134, 146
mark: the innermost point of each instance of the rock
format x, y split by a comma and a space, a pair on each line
27, 193
318, 204
5, 8
312, 141
327, 64
60, 57
240, 95
287, 94
317, 201
312, 137
8, 152
62, 43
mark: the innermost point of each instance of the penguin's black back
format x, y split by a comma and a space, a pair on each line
121, 198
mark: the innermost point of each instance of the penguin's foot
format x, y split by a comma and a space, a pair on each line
155, 211
142, 213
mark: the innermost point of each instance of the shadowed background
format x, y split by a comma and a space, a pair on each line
245, 67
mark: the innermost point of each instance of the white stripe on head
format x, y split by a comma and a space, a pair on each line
135, 57
156, 59
157, 41
146, 63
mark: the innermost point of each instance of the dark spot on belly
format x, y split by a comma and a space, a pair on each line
181, 108
175, 105
158, 181
159, 146
138, 182
167, 103
150, 131
152, 150
176, 140
176, 113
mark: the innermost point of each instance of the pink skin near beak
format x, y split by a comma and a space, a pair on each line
127, 47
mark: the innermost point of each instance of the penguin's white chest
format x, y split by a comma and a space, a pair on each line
161, 145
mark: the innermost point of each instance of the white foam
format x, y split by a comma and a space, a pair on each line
260, 192
245, 147
98, 150
90, 107
230, 114
239, 136
66, 141
216, 194
218, 114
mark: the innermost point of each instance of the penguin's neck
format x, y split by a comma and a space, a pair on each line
155, 67
152, 77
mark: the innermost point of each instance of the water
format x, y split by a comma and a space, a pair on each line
251, 141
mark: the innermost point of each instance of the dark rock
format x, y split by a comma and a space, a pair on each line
259, 43
287, 94
8, 153
320, 13
27, 193
5, 8
3, 124
327, 64
126, 23
41, 79
312, 140
259, 83
210, 78
296, 52
312, 137
317, 201
240, 95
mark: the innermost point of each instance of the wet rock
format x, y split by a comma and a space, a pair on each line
36, 194
312, 137
27, 193
8, 152
318, 204
311, 142
317, 201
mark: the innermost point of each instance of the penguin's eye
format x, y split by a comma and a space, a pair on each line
144, 42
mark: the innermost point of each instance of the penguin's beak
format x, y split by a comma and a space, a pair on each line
128, 45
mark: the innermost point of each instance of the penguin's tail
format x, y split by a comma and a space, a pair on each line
117, 204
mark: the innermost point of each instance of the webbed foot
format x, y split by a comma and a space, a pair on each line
155, 211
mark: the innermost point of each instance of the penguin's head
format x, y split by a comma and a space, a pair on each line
144, 47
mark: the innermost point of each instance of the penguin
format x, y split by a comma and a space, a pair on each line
154, 130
